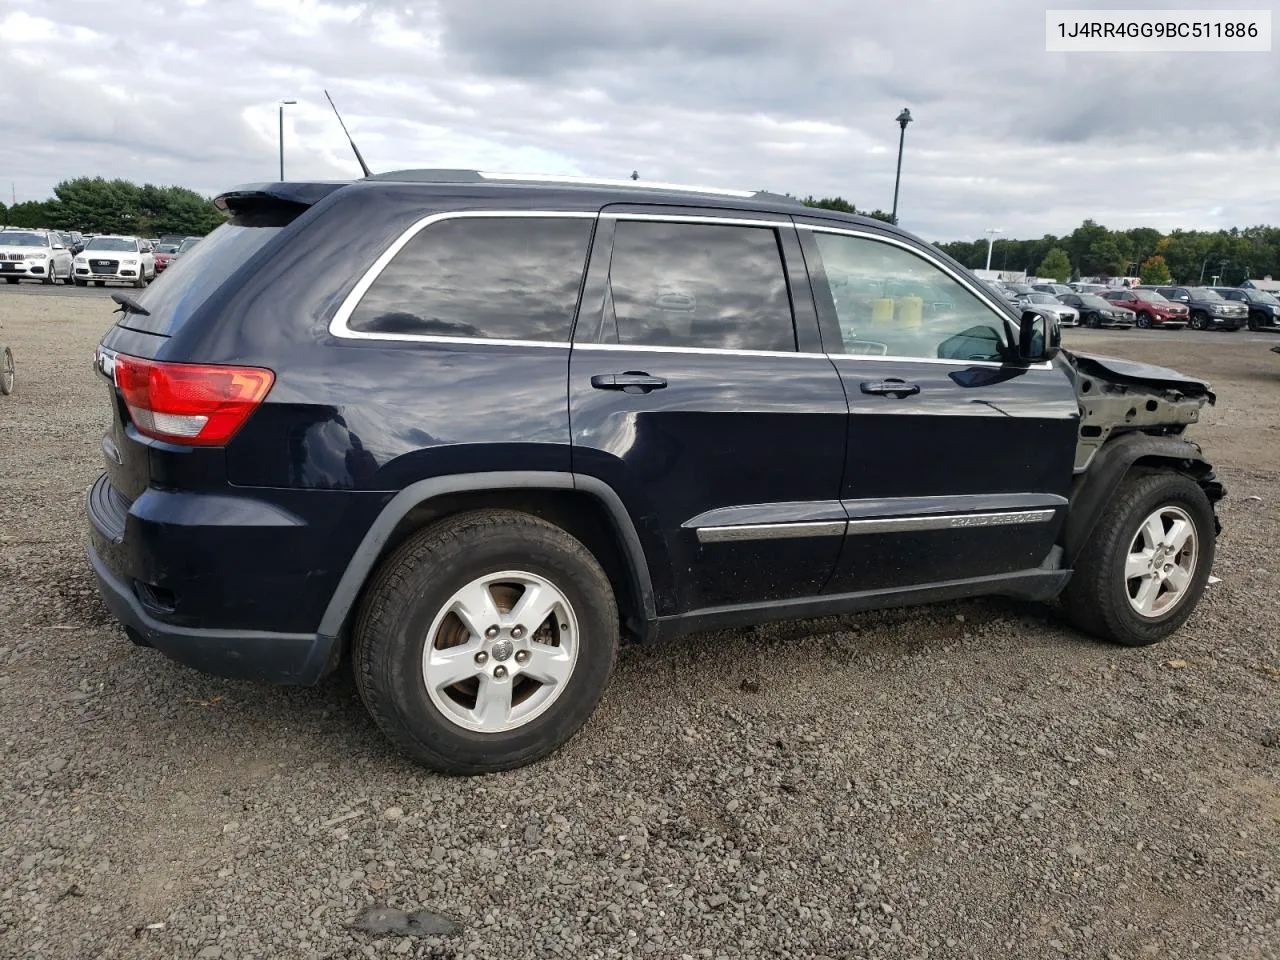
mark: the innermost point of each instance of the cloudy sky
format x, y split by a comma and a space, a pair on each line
786, 95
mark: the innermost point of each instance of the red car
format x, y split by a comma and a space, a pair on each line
1150, 308
164, 253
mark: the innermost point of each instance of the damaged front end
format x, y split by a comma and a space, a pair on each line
1121, 396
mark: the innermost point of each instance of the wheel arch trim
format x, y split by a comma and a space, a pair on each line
1109, 467
366, 556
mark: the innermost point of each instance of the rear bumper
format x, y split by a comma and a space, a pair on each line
125, 583
282, 658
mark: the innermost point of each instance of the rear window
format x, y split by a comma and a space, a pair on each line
191, 279
492, 278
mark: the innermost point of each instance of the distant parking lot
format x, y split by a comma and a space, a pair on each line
968, 780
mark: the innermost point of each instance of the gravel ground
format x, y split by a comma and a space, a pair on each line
968, 780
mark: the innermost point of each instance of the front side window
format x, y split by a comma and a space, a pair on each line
697, 285
890, 301
495, 278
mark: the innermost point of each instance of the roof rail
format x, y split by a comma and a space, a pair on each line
486, 176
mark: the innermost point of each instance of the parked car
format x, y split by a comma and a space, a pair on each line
1209, 309
34, 255
353, 422
1055, 289
1263, 307
164, 253
1095, 288
1150, 308
1050, 306
113, 259
185, 246
1019, 289
1097, 313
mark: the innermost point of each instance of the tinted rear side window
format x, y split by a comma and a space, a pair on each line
698, 285
493, 278
191, 279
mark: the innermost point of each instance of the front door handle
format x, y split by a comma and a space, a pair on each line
893, 387
633, 381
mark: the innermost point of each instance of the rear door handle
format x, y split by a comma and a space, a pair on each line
632, 381
892, 387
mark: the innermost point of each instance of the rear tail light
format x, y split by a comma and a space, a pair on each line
196, 404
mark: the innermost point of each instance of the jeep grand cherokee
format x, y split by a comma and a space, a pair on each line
476, 430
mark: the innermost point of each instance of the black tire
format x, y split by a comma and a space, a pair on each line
99, 283
70, 278
1097, 600
81, 283
11, 279
7, 374
50, 278
1144, 321
409, 590
1199, 320
1095, 321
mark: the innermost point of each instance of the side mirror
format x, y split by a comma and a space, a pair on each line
1039, 338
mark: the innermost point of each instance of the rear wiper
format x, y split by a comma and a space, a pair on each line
129, 305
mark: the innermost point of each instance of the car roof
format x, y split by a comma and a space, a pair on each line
553, 192
113, 236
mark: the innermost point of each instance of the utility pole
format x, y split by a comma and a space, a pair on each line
283, 104
903, 119
991, 239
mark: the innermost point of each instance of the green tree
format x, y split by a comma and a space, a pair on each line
97, 205
30, 213
1155, 270
4, 212
1055, 265
843, 205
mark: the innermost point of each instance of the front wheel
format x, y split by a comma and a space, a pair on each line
50, 278
8, 375
485, 642
1095, 321
10, 279
70, 278
1199, 320
1144, 321
1147, 562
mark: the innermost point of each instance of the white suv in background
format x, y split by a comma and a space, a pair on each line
112, 259
34, 255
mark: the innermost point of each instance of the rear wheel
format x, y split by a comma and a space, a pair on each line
8, 375
1147, 562
485, 641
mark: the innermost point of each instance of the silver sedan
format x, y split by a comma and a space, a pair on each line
1050, 307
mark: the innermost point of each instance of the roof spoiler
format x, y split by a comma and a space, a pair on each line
261, 196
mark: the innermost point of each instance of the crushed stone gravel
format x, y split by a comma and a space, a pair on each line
972, 780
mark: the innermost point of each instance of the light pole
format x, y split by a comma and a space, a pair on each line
283, 104
991, 239
903, 119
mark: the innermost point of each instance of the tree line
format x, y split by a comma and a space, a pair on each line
1182, 256
96, 205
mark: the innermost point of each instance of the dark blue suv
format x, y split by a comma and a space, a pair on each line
476, 430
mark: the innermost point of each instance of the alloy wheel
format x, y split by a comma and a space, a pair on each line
500, 651
1161, 562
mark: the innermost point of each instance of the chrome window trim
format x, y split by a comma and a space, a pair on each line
649, 348
771, 531
697, 218
338, 326
949, 521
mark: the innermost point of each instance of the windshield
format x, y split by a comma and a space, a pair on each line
1041, 298
113, 244
1097, 303
192, 278
22, 240
166, 248
187, 244
1261, 296
1204, 293
1153, 296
